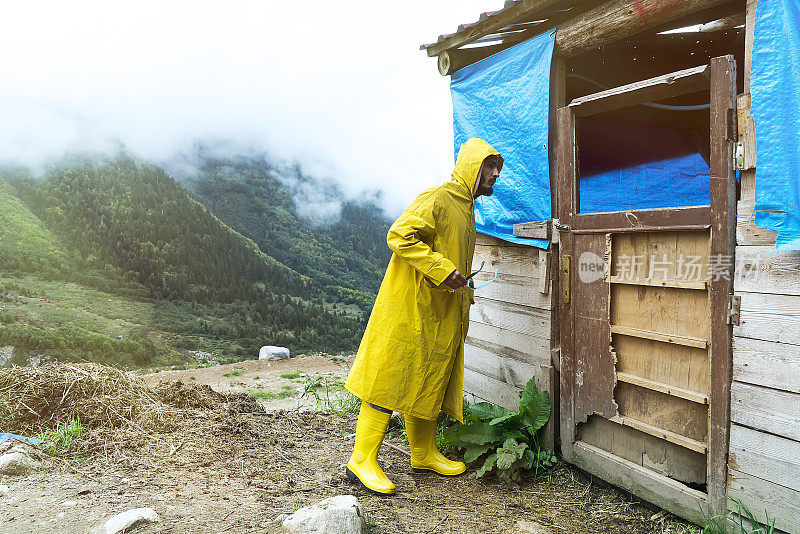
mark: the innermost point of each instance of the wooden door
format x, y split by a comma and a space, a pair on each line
645, 339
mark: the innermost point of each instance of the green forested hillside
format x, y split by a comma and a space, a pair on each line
25, 242
133, 228
134, 216
346, 258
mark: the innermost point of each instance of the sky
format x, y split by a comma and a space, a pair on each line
339, 87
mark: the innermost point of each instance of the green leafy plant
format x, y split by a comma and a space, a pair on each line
235, 372
505, 441
329, 395
59, 439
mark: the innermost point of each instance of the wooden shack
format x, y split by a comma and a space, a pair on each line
682, 390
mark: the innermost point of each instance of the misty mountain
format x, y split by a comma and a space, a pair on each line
303, 222
126, 226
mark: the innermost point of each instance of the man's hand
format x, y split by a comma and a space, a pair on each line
455, 280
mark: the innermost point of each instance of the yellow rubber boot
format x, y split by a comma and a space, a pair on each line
363, 464
424, 452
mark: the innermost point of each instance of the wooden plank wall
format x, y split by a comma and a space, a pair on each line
764, 457
764, 460
509, 330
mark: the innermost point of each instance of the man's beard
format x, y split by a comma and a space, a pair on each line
485, 190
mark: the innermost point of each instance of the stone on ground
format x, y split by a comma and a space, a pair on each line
131, 518
337, 515
18, 457
529, 527
271, 352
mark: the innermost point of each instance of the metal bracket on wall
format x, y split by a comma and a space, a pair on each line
734, 309
561, 227
738, 155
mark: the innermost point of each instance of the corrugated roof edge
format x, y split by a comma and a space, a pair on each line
461, 27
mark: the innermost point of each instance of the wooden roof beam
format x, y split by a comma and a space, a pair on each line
601, 22
619, 19
489, 24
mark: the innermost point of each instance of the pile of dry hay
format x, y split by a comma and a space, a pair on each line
101, 398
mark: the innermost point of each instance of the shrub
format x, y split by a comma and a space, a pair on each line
505, 441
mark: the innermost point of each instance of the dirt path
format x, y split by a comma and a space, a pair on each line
224, 466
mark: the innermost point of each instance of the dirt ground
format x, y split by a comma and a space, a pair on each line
254, 376
229, 467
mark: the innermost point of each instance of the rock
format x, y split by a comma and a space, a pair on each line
4, 489
17, 463
270, 352
337, 515
5, 354
529, 527
131, 518
18, 457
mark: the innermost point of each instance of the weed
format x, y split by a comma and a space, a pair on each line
505, 441
58, 440
714, 524
272, 395
744, 522
752, 526
297, 503
256, 377
235, 372
192, 378
330, 395
292, 375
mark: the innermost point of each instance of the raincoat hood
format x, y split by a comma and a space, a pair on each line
469, 160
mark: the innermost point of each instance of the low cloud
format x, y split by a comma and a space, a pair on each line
340, 89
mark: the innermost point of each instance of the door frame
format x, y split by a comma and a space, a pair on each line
720, 78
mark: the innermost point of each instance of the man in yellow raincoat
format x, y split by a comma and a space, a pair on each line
411, 357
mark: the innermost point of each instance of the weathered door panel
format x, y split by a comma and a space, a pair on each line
594, 362
645, 342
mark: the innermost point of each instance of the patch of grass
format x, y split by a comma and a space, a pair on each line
330, 395
68, 322
256, 377
748, 524
743, 519
59, 439
714, 524
272, 395
235, 372
292, 375
297, 503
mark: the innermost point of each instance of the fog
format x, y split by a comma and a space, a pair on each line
342, 89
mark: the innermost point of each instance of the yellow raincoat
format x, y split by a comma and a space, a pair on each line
411, 358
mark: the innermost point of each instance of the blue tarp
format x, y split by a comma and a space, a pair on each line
680, 181
627, 166
775, 106
505, 100
5, 435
